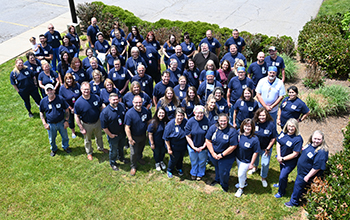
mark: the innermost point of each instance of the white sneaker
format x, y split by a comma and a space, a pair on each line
250, 172
245, 185
239, 193
73, 136
264, 183
162, 165
158, 167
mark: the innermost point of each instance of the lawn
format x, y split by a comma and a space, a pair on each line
37, 186
332, 7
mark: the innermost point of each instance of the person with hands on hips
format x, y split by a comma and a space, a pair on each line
311, 163
222, 141
196, 129
288, 146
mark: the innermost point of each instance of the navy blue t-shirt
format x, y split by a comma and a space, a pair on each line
187, 49
44, 51
292, 109
309, 159
71, 94
79, 76
96, 89
202, 76
175, 75
36, 68
222, 106
237, 86
212, 44
128, 98
159, 89
132, 64
265, 132
290, 143
88, 110
257, 71
157, 133
181, 94
91, 32
181, 61
71, 50
192, 77
121, 31
151, 57
234, 58
222, 139
239, 42
134, 40
176, 134
113, 119
53, 110
154, 44
188, 108
209, 88
197, 130
278, 62
137, 121
48, 79
53, 39
119, 77
100, 68
110, 60
146, 83
213, 117
102, 47
170, 108
120, 44
247, 147
245, 109
24, 80
74, 40
104, 95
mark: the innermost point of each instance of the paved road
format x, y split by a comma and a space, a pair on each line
270, 17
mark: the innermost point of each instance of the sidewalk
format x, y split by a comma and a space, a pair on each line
19, 44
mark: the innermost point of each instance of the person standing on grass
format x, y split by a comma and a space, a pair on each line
54, 115
91, 33
54, 40
87, 115
135, 121
277, 61
112, 118
311, 163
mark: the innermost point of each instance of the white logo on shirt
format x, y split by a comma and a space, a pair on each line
310, 155
50, 106
58, 105
177, 129
216, 117
281, 136
95, 103
266, 131
256, 128
244, 86
289, 143
122, 75
247, 144
144, 117
293, 107
205, 127
225, 137
250, 109
221, 107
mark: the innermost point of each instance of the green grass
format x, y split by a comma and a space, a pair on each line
37, 186
291, 67
332, 7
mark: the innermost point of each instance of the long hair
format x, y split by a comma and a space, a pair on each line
174, 43
150, 33
65, 65
137, 36
164, 101
323, 145
251, 94
210, 97
74, 60
69, 43
252, 124
187, 98
229, 65
210, 62
155, 120
257, 113
187, 66
16, 70
69, 76
294, 122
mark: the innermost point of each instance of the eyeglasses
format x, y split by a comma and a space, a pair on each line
51, 28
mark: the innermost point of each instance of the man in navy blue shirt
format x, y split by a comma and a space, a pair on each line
53, 39
277, 61
87, 115
46, 52
180, 58
112, 118
152, 58
91, 33
258, 69
55, 108
145, 80
213, 43
235, 39
159, 88
135, 128
233, 56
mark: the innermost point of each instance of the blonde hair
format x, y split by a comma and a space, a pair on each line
241, 62
16, 70
210, 97
323, 145
294, 122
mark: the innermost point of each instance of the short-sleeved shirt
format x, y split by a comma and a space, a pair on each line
110, 60
137, 121
270, 92
70, 94
79, 76
53, 39
189, 106
45, 51
45, 79
180, 93
181, 61
154, 44
74, 40
132, 64
102, 47
24, 80
120, 44
36, 68
222, 106
170, 50
71, 50
205, 90
157, 133
289, 144
129, 97
265, 132
113, 118
245, 109
234, 58
119, 77
100, 68
151, 57
159, 89
96, 89
92, 32
54, 110
146, 83
197, 130
170, 108
247, 147
213, 117
192, 77
134, 40
278, 62
222, 139
292, 109
257, 71
187, 49
176, 134
175, 75
239, 42
202, 76
212, 44
104, 95
310, 159
88, 110
121, 31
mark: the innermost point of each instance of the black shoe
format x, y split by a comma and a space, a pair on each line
68, 150
214, 183
114, 167
31, 115
125, 161
53, 153
142, 162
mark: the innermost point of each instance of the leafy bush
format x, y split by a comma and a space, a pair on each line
83, 37
291, 69
314, 76
328, 100
329, 198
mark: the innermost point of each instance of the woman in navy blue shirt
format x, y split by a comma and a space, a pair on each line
23, 81
188, 48
116, 28
34, 65
190, 101
133, 38
74, 39
76, 69
155, 135
192, 73
247, 152
311, 163
211, 110
64, 65
181, 89
170, 102
151, 41
220, 101
175, 140
135, 89
222, 141
120, 43
97, 83
210, 65
244, 107
102, 48
120, 77
288, 146
196, 129
109, 88
292, 107
265, 129
48, 76
169, 48
113, 56
68, 47
70, 91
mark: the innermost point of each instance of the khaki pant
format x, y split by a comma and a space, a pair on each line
90, 130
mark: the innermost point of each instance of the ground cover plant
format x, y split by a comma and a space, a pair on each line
37, 186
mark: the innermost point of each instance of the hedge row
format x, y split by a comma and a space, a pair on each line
106, 15
323, 40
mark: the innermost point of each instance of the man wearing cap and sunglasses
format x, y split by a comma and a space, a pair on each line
277, 61
55, 109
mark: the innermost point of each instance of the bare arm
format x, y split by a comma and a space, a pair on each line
304, 116
228, 97
106, 130
310, 174
150, 137
283, 75
251, 165
167, 143
128, 134
125, 86
16, 88
43, 120
155, 101
234, 118
78, 121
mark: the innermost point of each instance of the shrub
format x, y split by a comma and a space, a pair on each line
83, 37
329, 198
291, 67
314, 76
328, 100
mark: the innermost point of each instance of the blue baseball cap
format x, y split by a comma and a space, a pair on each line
209, 72
241, 68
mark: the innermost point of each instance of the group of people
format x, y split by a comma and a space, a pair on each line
214, 110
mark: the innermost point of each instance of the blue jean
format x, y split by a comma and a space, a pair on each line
222, 170
198, 161
265, 162
159, 152
53, 134
283, 179
299, 189
56, 58
231, 114
176, 160
116, 148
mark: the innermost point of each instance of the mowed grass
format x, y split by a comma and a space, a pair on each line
332, 7
37, 186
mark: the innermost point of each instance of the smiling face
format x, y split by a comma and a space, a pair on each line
113, 51
69, 81
93, 64
233, 49
317, 139
222, 122
85, 90
247, 95
225, 66
136, 90
114, 101
217, 95
191, 94
199, 115
109, 87
165, 78
291, 129
137, 102
65, 57
212, 103
247, 128
191, 64
292, 94
117, 65
169, 95
19, 64
241, 75
262, 117
209, 35
161, 114
235, 34
179, 117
